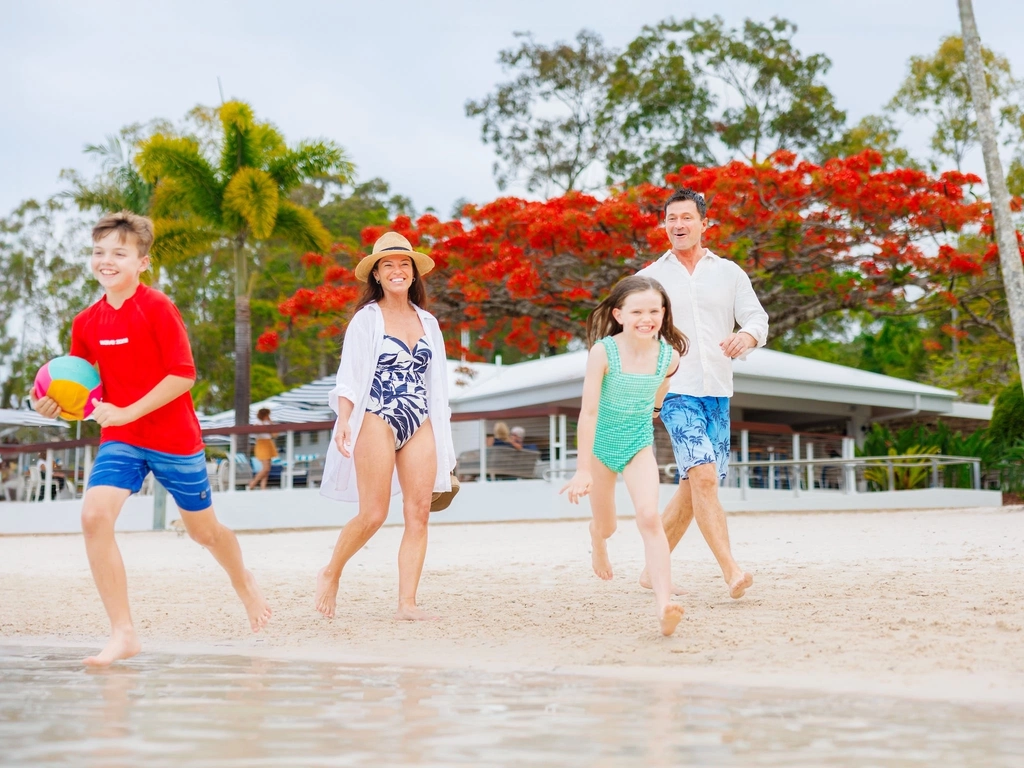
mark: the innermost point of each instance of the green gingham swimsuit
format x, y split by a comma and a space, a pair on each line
626, 410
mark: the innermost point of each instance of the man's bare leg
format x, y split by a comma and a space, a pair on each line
374, 456
676, 520
710, 516
100, 509
207, 531
417, 469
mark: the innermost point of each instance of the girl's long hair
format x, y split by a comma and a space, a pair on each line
602, 323
374, 291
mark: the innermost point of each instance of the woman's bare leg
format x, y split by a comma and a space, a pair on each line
374, 457
417, 468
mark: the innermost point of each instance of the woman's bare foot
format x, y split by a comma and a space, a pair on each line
670, 618
123, 644
255, 604
412, 613
599, 555
326, 593
645, 582
739, 585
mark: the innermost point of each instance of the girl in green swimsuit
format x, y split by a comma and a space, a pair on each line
635, 349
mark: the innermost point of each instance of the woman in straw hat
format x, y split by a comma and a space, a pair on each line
393, 431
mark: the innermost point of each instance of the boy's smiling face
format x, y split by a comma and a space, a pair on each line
116, 263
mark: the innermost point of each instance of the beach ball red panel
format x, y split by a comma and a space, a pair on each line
73, 383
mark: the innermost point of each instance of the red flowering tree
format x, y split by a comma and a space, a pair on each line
814, 239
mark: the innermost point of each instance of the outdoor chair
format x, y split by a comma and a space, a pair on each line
36, 481
502, 462
14, 489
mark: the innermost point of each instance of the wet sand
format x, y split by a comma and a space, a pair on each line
925, 604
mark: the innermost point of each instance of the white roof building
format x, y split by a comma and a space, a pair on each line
770, 387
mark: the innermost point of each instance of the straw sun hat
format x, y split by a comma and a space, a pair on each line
392, 244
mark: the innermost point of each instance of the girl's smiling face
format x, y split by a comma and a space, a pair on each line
641, 314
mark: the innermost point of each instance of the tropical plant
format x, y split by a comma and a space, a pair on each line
236, 199
907, 474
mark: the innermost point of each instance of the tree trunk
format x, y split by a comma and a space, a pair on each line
243, 335
1006, 236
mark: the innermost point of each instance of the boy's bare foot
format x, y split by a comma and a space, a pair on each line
412, 613
645, 582
599, 556
255, 604
326, 593
670, 618
123, 644
739, 585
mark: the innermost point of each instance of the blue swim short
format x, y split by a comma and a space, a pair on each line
699, 428
125, 466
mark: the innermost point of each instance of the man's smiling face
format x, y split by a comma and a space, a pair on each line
684, 225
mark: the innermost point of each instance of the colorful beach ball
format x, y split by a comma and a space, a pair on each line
73, 383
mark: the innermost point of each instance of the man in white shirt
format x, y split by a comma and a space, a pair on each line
710, 297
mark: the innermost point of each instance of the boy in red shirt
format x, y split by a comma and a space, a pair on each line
136, 337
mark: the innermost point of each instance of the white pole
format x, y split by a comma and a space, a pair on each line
48, 480
88, 468
744, 458
483, 452
289, 457
563, 443
794, 471
232, 448
810, 467
552, 442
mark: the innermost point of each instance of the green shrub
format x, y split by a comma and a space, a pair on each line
1007, 424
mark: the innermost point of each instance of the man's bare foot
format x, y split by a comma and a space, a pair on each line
326, 593
599, 556
739, 585
123, 644
412, 613
255, 604
670, 618
645, 582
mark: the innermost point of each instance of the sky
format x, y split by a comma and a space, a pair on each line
388, 81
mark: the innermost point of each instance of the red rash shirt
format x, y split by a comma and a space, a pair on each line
136, 347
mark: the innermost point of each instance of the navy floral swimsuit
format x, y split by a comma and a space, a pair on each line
398, 393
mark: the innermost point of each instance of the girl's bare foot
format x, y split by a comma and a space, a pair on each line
599, 555
670, 618
123, 644
326, 593
645, 582
412, 613
739, 585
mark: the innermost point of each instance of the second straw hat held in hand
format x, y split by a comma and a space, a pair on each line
392, 244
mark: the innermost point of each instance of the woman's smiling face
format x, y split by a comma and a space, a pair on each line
395, 274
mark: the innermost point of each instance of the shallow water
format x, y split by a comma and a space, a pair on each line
225, 711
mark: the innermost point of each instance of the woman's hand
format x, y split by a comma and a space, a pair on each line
343, 438
578, 487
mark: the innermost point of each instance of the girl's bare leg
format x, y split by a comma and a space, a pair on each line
374, 458
603, 524
417, 468
641, 476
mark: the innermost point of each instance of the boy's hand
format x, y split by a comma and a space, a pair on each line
578, 487
107, 415
343, 438
46, 406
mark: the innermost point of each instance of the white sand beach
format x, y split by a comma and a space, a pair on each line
915, 603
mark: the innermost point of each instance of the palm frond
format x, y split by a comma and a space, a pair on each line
247, 143
162, 156
253, 195
181, 238
310, 160
300, 227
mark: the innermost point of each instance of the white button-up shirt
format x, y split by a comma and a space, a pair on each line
707, 306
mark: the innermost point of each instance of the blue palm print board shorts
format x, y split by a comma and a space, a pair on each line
699, 428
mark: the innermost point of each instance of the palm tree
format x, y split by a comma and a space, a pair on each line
120, 188
236, 200
1006, 235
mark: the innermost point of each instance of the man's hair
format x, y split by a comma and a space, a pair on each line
521, 431
126, 223
681, 195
